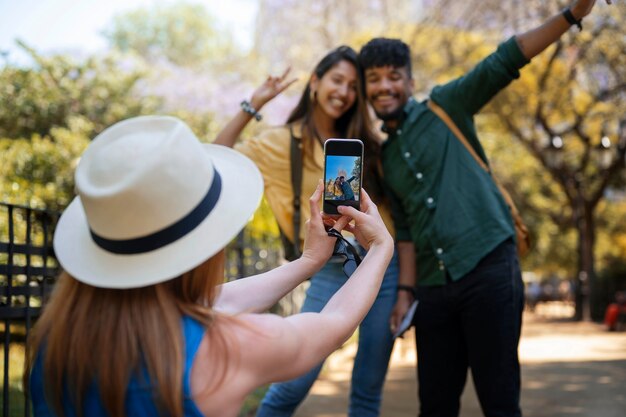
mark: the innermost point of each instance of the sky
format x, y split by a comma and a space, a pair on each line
75, 25
336, 163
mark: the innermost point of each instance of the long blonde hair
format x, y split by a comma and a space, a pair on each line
83, 327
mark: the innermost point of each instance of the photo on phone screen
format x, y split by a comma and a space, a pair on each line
342, 174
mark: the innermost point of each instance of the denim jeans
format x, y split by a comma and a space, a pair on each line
372, 359
472, 323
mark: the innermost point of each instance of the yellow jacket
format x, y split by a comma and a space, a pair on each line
270, 151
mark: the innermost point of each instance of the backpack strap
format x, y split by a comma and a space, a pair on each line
457, 132
296, 185
521, 231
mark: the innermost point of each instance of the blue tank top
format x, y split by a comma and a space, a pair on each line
139, 400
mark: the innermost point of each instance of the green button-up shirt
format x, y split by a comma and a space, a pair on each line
442, 200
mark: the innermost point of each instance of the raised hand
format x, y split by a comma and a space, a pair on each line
318, 246
582, 8
272, 87
267, 91
368, 228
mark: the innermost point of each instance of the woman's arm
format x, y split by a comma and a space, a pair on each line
288, 347
260, 292
266, 92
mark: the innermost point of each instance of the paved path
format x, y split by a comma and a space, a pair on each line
568, 370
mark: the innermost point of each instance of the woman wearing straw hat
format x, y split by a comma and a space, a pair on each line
331, 105
138, 324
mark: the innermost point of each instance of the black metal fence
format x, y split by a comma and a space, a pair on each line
28, 270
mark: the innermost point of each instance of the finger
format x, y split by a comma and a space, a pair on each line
366, 195
350, 228
288, 83
351, 212
396, 321
337, 223
393, 323
341, 223
366, 201
314, 201
328, 221
282, 77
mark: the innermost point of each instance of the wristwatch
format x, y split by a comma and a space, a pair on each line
407, 288
567, 14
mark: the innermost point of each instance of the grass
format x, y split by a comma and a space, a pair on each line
252, 402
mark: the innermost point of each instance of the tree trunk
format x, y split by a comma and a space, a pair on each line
586, 282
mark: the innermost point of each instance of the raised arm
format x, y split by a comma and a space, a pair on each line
292, 345
536, 40
272, 87
258, 293
465, 96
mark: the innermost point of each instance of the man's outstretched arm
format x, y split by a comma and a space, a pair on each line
536, 40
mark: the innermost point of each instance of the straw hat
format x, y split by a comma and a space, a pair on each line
153, 202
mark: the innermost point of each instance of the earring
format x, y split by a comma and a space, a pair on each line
313, 96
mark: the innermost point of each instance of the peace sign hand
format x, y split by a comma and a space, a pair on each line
582, 8
272, 87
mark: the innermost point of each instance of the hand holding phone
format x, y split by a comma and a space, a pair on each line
343, 162
318, 247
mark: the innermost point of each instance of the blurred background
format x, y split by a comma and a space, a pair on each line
556, 137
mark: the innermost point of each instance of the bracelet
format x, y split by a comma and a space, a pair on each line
247, 107
567, 14
408, 288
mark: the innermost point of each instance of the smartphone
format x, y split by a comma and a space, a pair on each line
343, 174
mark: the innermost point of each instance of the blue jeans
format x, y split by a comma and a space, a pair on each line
372, 359
472, 323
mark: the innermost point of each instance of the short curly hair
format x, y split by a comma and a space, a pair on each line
380, 52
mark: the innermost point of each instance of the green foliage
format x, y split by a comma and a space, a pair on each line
39, 172
48, 114
182, 33
103, 91
252, 401
572, 90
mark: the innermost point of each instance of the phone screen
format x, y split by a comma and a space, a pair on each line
342, 174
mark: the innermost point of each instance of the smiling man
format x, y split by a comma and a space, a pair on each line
454, 231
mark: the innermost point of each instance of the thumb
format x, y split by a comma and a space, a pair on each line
393, 321
351, 212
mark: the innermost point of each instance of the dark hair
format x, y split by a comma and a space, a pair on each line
354, 123
380, 52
